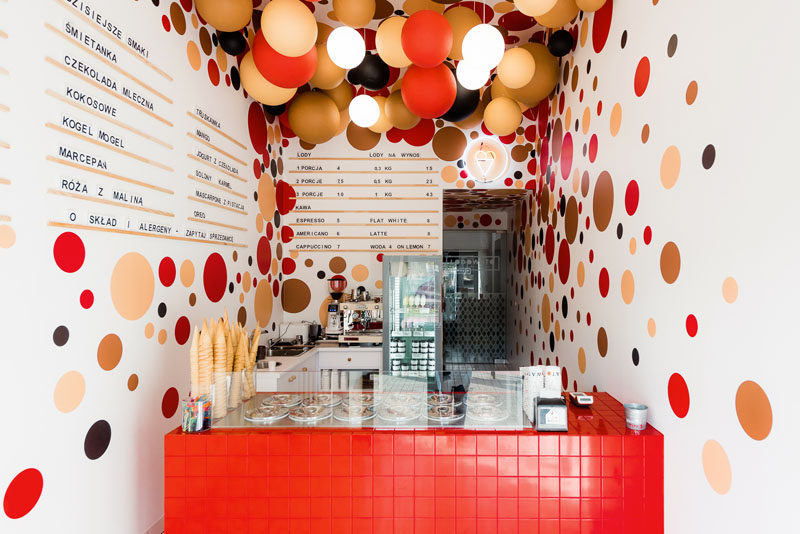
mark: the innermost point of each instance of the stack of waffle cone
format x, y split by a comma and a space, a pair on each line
236, 379
220, 372
205, 362
194, 363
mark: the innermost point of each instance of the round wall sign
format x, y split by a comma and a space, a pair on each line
487, 159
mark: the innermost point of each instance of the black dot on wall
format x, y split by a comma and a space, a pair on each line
709, 155
250, 261
156, 2
564, 306
518, 174
399, 12
230, 287
280, 150
635, 356
460, 164
61, 336
552, 342
162, 309
255, 196
276, 219
624, 39
280, 277
269, 148
273, 168
580, 238
619, 231
320, 274
97, 440
588, 66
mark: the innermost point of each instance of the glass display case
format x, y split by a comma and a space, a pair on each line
412, 328
489, 400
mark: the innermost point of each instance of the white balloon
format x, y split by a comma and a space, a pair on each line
364, 111
346, 47
470, 75
483, 46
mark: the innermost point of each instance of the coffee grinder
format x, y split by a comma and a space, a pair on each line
336, 287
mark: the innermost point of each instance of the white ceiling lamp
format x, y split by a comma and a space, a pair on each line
470, 75
483, 46
364, 111
346, 47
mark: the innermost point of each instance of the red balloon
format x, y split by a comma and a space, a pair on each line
426, 38
428, 93
283, 71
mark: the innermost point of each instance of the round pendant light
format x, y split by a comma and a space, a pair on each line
470, 75
346, 47
483, 46
364, 111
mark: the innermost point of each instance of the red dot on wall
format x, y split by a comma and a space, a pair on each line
632, 197
691, 325
275, 288
165, 22
588, 319
23, 493
69, 252
648, 235
169, 403
166, 271
642, 76
564, 377
678, 393
87, 299
213, 72
603, 282
215, 277
183, 329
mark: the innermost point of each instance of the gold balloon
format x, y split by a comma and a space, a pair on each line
502, 116
313, 116
259, 87
323, 31
226, 15
549, 13
289, 27
462, 20
545, 77
342, 94
328, 74
344, 120
355, 13
590, 5
398, 114
383, 124
516, 68
499, 89
387, 41
477, 116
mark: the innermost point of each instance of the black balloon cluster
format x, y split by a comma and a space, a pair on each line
465, 104
372, 73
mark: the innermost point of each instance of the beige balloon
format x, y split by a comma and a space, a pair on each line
549, 13
477, 116
226, 15
387, 41
590, 6
289, 27
383, 124
344, 120
354, 13
323, 31
259, 87
545, 77
398, 114
313, 116
328, 74
462, 20
502, 116
499, 89
342, 94
516, 68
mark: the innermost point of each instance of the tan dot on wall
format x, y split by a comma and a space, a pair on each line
132, 286
730, 290
275, 265
716, 467
133, 382
263, 304
162, 336
545, 313
449, 174
149, 330
602, 342
632, 245
195, 21
360, 273
109, 352
193, 54
753, 410
450, 221
581, 274
670, 167
187, 273
69, 391
582, 360
615, 120
337, 264
627, 287
259, 222
309, 262
651, 327
222, 59
379, 284
7, 236
670, 262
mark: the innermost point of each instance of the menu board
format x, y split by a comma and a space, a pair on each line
386, 201
125, 153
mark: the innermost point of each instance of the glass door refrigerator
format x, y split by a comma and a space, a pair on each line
412, 328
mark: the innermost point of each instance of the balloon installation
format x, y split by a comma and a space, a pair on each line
274, 110
560, 43
428, 93
225, 15
233, 43
283, 71
426, 38
372, 73
465, 104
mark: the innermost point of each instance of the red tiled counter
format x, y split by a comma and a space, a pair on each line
598, 477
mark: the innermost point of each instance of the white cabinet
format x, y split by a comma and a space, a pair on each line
350, 359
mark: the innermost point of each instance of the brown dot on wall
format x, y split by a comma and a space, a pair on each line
235, 255
645, 133
361, 138
691, 92
672, 45
205, 41
309, 262
133, 382
192, 299
337, 264
109, 352
603, 201
242, 316
449, 143
295, 295
602, 342
178, 19
670, 262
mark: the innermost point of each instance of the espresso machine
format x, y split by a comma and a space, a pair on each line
362, 318
336, 287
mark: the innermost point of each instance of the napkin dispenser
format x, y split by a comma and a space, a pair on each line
551, 414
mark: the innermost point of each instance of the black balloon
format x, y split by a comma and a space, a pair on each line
232, 43
560, 43
372, 73
465, 104
274, 110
